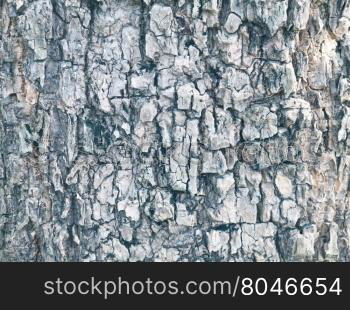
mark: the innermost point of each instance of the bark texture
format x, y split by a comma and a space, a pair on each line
204, 130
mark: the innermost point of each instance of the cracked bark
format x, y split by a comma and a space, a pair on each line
182, 130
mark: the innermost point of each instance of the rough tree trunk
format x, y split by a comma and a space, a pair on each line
205, 130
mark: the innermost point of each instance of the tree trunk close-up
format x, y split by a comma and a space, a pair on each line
163, 130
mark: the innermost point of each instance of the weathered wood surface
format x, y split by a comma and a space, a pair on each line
174, 130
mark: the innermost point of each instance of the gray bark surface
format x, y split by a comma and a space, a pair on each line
205, 130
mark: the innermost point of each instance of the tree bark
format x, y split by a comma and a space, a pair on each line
158, 130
